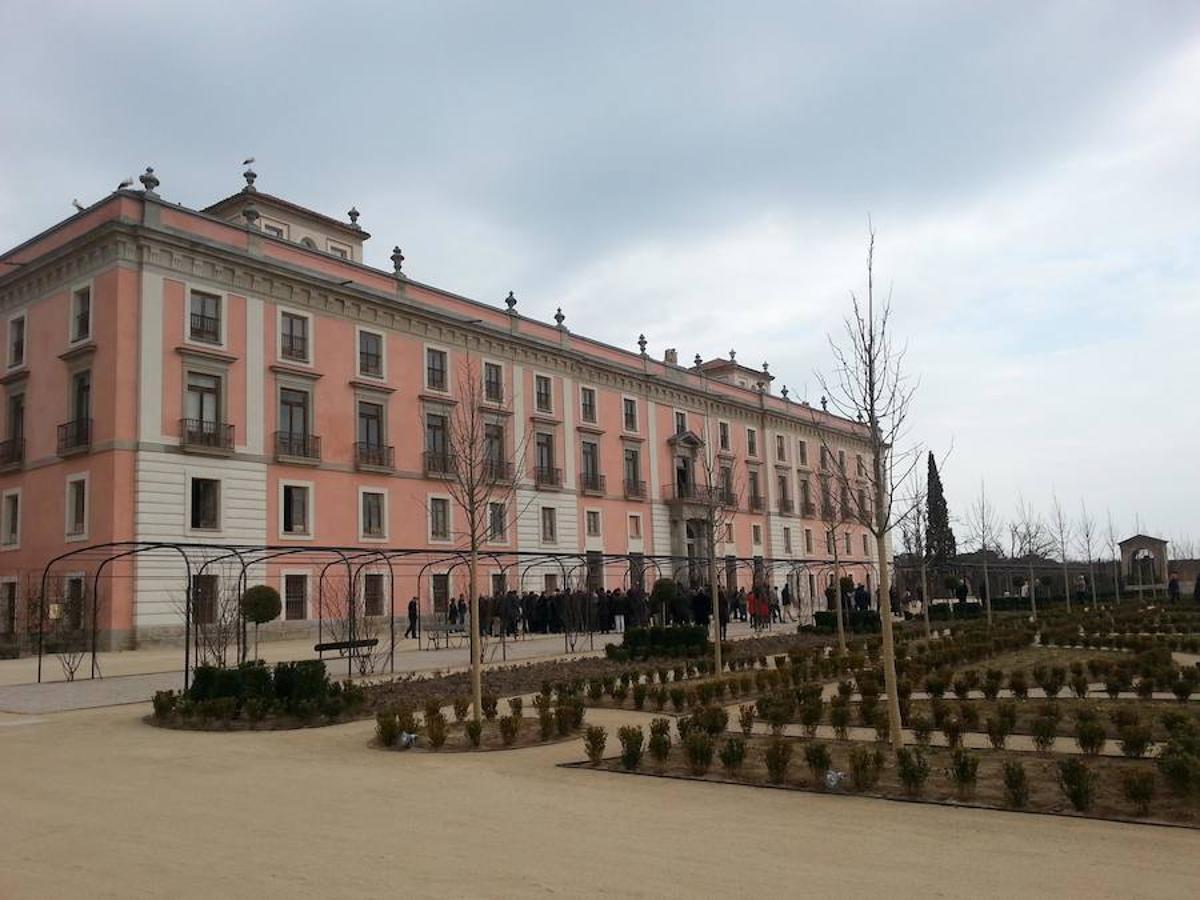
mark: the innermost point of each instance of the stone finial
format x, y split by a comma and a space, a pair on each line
149, 181
353, 215
511, 302
784, 392
642, 344
397, 260
250, 214
559, 318
732, 355
766, 370
250, 175
824, 402
697, 360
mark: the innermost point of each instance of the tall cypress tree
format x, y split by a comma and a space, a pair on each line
939, 536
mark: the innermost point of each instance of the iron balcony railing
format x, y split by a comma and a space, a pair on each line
205, 328
493, 391
297, 446
12, 452
205, 434
497, 470
635, 489
295, 346
757, 503
370, 363
439, 463
374, 456
547, 476
591, 483
786, 505
74, 437
807, 509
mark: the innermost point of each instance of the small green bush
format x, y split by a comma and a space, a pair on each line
632, 739
997, 732
1016, 785
810, 717
164, 704
952, 728
1078, 783
698, 749
778, 756
678, 698
516, 707
964, 770
490, 702
545, 723
913, 770
1138, 787
733, 754
387, 729
510, 727
595, 737
474, 730
866, 764
839, 718
922, 730
1091, 736
1018, 683
818, 760
1044, 730
1079, 686
435, 730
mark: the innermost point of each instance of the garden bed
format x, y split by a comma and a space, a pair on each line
528, 733
1044, 793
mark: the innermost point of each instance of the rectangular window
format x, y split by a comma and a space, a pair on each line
808, 542
10, 519
81, 314
726, 484
806, 497
76, 506
729, 532
629, 405
866, 546
544, 451
755, 493
16, 341
273, 230
372, 514
802, 447
295, 596
295, 509
370, 354
633, 466
785, 496
780, 448
497, 521
587, 404
751, 442
206, 503
550, 582
635, 526
293, 423
8, 607
590, 455
829, 545
370, 424
339, 251
846, 541
542, 396
787, 540
293, 337
81, 396
493, 382
680, 422
373, 594
437, 442
841, 460
756, 532
593, 523
204, 322
859, 466
723, 434
439, 518
493, 451
549, 524
16, 417
202, 404
435, 369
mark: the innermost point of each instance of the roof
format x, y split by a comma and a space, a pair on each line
1140, 537
270, 199
720, 365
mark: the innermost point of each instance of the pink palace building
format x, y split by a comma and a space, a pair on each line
237, 377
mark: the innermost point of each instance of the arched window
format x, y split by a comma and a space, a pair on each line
308, 242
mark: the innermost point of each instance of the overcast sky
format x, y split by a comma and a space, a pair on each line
704, 173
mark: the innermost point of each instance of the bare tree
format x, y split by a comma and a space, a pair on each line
216, 617
1114, 548
833, 517
1031, 543
69, 617
720, 496
984, 531
480, 470
1063, 531
344, 616
1183, 546
869, 386
1087, 544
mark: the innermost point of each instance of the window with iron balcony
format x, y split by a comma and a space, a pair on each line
204, 323
293, 340
493, 382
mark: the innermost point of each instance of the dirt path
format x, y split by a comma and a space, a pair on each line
99, 804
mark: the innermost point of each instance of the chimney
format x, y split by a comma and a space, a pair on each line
671, 357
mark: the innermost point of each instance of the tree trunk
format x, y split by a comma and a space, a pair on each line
837, 596
716, 602
1117, 580
889, 647
987, 590
476, 660
925, 595
1066, 583
1032, 593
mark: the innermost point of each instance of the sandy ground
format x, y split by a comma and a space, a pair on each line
99, 804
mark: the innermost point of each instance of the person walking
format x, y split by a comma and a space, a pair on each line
413, 619
786, 597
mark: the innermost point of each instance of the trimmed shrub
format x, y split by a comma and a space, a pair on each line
462, 706
474, 730
490, 702
639, 695
922, 730
1091, 736
818, 760
839, 718
778, 756
1079, 686
1044, 730
1179, 759
964, 770
997, 732
711, 719
810, 717
698, 748
660, 742
164, 704
632, 738
516, 707
913, 770
545, 723
953, 730
660, 698
865, 766
510, 726
1078, 783
594, 740
1016, 785
1138, 788
387, 729
1018, 683
733, 754
435, 730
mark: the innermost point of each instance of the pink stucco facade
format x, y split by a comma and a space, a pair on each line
244, 381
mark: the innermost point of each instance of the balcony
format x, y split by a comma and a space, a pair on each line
592, 483
493, 392
635, 489
74, 437
205, 436
786, 506
374, 457
496, 470
205, 328
439, 464
807, 509
12, 453
297, 447
546, 476
757, 503
294, 347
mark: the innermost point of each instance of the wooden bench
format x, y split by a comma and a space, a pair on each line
342, 646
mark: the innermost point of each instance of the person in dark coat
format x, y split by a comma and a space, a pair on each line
414, 617
723, 613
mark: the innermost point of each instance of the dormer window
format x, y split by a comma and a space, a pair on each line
274, 230
339, 250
